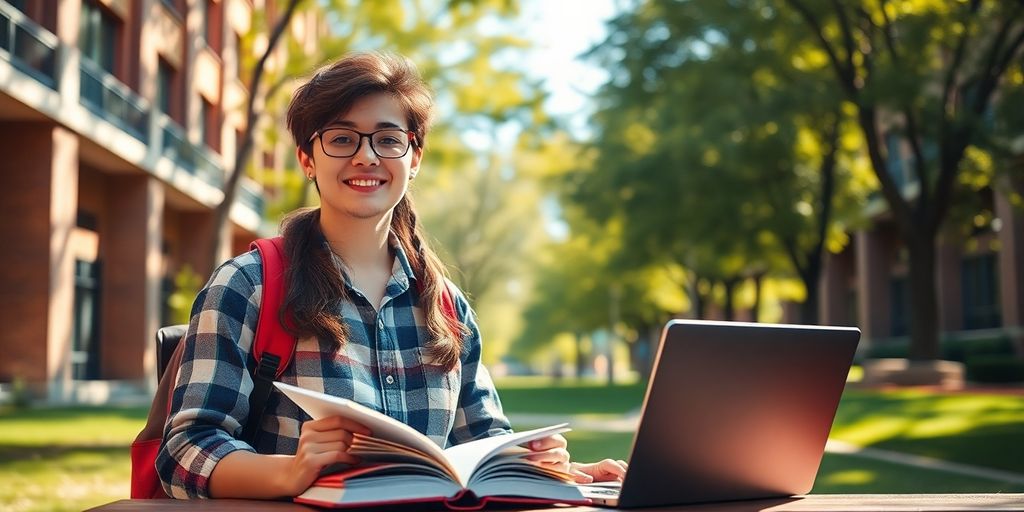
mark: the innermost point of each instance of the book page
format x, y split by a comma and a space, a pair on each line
319, 405
467, 457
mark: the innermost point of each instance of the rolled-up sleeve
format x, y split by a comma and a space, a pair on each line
479, 412
210, 401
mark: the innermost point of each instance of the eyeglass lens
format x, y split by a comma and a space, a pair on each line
343, 143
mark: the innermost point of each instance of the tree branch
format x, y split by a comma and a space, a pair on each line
902, 212
242, 152
848, 43
846, 77
951, 73
890, 40
828, 174
997, 61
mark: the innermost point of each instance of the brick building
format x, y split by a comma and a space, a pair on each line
117, 121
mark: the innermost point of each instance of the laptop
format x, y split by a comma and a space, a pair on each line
734, 411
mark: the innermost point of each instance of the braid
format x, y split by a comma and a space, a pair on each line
446, 333
314, 288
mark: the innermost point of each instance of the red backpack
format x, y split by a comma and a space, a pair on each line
273, 349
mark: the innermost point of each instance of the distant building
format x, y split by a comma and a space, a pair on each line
117, 121
980, 277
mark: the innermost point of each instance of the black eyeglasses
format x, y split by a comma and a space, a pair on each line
345, 142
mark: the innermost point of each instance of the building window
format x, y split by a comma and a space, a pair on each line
211, 126
166, 80
85, 334
97, 35
213, 26
980, 285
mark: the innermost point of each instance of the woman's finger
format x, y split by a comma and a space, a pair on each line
548, 443
550, 456
335, 423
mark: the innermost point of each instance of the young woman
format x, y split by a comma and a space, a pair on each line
365, 294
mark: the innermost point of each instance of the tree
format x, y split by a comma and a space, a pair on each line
933, 68
721, 152
221, 213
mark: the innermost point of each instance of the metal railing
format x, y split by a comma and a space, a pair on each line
197, 161
114, 101
33, 49
251, 196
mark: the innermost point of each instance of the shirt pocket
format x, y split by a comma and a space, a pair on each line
442, 399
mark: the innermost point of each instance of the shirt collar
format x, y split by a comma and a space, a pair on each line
401, 270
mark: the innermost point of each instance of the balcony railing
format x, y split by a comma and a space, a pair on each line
34, 51
251, 196
197, 161
33, 48
112, 100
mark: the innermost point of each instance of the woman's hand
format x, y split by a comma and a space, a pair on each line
606, 470
551, 452
321, 443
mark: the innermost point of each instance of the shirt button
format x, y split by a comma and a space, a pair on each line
389, 379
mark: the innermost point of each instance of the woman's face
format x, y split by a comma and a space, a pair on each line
364, 185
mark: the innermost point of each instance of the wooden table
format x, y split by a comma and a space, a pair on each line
815, 502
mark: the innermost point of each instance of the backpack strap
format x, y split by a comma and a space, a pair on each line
273, 348
448, 308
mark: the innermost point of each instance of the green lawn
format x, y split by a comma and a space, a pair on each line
982, 430
66, 458
75, 458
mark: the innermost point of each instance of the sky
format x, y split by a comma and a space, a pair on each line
561, 30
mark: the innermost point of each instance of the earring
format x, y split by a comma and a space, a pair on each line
309, 177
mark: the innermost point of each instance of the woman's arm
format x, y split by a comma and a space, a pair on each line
243, 474
479, 412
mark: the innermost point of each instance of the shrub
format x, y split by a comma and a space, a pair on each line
949, 349
995, 369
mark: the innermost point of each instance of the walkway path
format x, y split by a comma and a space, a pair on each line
628, 423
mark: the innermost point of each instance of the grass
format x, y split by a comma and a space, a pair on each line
981, 430
548, 396
838, 474
65, 459
75, 458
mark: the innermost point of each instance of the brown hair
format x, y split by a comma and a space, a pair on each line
315, 289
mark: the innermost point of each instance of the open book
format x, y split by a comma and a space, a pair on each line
401, 465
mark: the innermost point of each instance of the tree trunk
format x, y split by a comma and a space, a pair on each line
924, 306
222, 212
730, 309
809, 310
581, 361
756, 308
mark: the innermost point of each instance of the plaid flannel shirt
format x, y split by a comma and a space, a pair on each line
380, 366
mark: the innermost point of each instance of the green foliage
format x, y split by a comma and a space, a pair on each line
950, 349
719, 149
186, 286
995, 368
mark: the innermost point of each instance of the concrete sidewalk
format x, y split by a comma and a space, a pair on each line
628, 424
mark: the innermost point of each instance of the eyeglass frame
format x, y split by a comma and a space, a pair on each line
319, 133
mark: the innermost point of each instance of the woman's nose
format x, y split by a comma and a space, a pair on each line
365, 155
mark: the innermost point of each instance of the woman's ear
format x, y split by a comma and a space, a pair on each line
417, 157
306, 162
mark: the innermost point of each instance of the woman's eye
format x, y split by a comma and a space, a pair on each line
341, 140
387, 140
